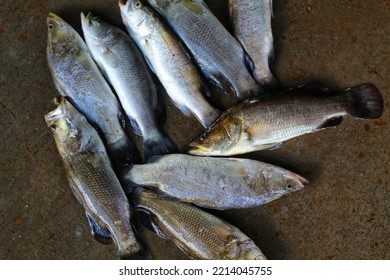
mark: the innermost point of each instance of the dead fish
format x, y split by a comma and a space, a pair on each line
77, 77
218, 54
198, 234
218, 183
125, 68
264, 123
92, 178
251, 23
168, 59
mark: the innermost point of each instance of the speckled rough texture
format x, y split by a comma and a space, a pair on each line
343, 213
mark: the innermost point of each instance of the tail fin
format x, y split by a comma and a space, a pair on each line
123, 154
367, 101
158, 146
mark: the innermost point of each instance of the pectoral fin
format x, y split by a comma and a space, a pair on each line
101, 234
256, 131
109, 58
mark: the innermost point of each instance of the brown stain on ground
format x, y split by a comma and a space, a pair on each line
380, 122
353, 40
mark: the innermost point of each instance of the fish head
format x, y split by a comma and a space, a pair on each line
241, 249
62, 38
96, 30
218, 140
138, 18
65, 122
283, 182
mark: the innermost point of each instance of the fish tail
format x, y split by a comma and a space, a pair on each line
123, 153
367, 101
159, 145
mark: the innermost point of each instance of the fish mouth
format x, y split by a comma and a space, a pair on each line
198, 150
303, 181
86, 19
53, 18
53, 116
123, 4
88, 23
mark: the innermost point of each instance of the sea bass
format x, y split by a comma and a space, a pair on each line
168, 58
218, 54
77, 77
125, 68
197, 233
251, 23
264, 123
218, 183
92, 178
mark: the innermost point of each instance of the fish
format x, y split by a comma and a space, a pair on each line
168, 59
197, 233
265, 123
251, 24
77, 77
125, 68
216, 183
92, 179
220, 57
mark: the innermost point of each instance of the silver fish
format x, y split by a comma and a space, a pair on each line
264, 123
92, 178
77, 77
218, 183
251, 23
124, 67
218, 54
168, 59
197, 233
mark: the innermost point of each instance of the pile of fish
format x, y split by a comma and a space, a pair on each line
224, 80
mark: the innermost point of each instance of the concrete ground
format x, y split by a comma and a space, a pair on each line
343, 213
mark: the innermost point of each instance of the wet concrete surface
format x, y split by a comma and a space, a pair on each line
343, 213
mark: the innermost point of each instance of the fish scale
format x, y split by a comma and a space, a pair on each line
125, 68
199, 234
78, 78
266, 122
162, 48
92, 178
218, 183
251, 23
217, 53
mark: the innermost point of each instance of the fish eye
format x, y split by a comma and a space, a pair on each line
53, 128
289, 187
138, 4
51, 26
202, 137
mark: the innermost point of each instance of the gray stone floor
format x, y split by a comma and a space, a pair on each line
342, 214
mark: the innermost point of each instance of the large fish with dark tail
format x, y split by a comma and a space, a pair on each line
197, 233
218, 183
92, 179
264, 123
125, 68
251, 23
168, 59
218, 54
77, 77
